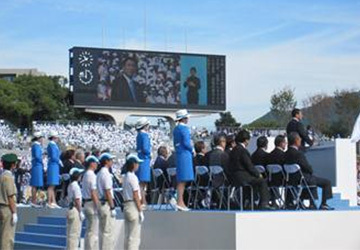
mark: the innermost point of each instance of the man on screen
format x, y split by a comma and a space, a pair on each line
125, 88
193, 85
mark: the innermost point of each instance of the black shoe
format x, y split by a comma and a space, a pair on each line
326, 207
312, 207
266, 207
290, 207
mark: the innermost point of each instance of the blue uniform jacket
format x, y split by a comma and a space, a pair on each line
143, 148
184, 153
37, 175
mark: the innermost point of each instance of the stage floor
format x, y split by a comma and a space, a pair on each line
234, 229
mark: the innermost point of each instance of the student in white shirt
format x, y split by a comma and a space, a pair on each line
107, 211
75, 216
91, 203
133, 213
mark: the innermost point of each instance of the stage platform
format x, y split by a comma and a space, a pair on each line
210, 230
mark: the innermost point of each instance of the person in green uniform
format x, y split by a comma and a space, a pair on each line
8, 216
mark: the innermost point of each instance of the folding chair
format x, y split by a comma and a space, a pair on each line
218, 185
200, 186
170, 187
261, 169
117, 189
296, 183
276, 180
159, 183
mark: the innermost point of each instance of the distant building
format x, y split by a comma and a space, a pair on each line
11, 74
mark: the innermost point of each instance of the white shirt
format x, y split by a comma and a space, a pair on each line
130, 184
88, 184
74, 192
104, 182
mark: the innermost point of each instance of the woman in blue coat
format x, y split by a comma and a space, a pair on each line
143, 148
184, 156
53, 168
37, 167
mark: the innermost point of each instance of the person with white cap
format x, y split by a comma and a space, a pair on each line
184, 156
133, 213
74, 216
91, 203
104, 183
143, 148
53, 168
37, 167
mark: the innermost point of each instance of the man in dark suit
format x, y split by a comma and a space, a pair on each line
161, 160
193, 84
200, 150
260, 156
277, 156
295, 125
125, 88
217, 156
294, 156
243, 171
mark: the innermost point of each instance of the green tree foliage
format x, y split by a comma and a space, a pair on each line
227, 120
282, 103
347, 108
31, 98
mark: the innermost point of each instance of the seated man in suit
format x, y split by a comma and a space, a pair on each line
277, 156
200, 150
217, 156
260, 156
243, 171
294, 156
162, 163
161, 160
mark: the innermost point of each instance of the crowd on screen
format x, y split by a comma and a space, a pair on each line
156, 78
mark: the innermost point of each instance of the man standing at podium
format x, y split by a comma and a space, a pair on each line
295, 125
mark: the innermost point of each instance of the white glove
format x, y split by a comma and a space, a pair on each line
113, 213
82, 216
142, 217
14, 219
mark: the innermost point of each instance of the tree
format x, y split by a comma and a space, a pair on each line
226, 120
318, 111
347, 108
282, 103
12, 105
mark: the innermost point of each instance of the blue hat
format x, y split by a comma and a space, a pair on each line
74, 171
106, 156
91, 159
133, 157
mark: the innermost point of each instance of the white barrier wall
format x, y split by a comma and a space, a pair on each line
298, 230
346, 180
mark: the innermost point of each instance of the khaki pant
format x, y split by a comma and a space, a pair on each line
132, 226
92, 226
7, 231
106, 223
73, 229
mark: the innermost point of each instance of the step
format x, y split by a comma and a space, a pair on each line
48, 229
47, 239
22, 245
52, 220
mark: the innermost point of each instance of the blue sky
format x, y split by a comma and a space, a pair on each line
310, 45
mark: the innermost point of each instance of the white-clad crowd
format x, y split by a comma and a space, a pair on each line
8, 139
99, 136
